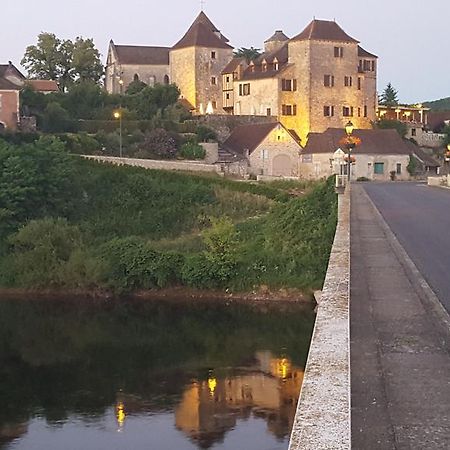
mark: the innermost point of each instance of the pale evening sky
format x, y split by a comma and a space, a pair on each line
411, 37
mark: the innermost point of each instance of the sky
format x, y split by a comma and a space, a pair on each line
411, 37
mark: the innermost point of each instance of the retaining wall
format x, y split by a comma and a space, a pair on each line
189, 166
323, 416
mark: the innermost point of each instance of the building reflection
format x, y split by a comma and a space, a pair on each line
11, 431
269, 390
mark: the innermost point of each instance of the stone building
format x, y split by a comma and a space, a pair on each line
267, 149
11, 81
128, 63
381, 155
318, 79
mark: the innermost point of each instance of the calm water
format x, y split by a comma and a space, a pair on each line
137, 376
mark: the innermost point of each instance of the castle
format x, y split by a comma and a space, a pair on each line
318, 79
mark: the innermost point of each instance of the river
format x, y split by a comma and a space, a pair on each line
143, 375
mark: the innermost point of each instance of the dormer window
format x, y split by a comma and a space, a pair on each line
276, 66
264, 67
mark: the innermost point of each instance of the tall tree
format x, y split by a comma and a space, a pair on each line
389, 97
250, 54
63, 60
86, 62
50, 58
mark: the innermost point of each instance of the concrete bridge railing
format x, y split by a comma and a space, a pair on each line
323, 416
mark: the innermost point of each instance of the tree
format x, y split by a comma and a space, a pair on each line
150, 100
389, 96
401, 127
86, 64
157, 143
135, 87
250, 54
63, 60
49, 59
83, 99
55, 119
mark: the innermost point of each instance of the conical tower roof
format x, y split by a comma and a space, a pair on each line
202, 33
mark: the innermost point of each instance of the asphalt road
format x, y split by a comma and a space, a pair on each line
420, 218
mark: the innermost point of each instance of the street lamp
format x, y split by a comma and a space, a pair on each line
350, 145
118, 116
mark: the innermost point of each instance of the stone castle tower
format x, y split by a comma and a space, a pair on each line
196, 64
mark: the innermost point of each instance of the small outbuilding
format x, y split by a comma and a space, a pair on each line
267, 149
381, 155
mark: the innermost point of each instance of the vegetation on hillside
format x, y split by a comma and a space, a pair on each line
68, 222
439, 105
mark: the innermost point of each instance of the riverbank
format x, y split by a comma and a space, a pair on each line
263, 297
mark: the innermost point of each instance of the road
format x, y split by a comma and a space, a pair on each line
420, 218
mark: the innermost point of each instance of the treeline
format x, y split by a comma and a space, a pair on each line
71, 223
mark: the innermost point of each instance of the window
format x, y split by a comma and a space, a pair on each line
359, 112
347, 111
338, 52
228, 96
244, 89
359, 83
328, 111
328, 80
214, 104
378, 168
348, 81
276, 66
413, 132
288, 85
166, 79
289, 110
264, 67
398, 169
365, 110
228, 79
213, 55
366, 65
213, 81
136, 78
372, 66
269, 111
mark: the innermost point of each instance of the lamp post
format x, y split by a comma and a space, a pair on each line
349, 130
118, 116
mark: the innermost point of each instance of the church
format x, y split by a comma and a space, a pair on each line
319, 79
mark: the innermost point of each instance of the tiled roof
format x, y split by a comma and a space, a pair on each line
436, 120
202, 33
6, 85
279, 36
281, 55
233, 65
379, 142
43, 85
364, 53
248, 137
142, 55
324, 30
9, 72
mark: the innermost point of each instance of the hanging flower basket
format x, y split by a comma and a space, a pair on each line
349, 141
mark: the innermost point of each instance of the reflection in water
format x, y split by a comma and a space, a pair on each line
269, 390
148, 376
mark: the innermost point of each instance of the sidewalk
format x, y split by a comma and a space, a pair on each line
400, 360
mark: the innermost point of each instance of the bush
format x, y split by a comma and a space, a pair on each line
205, 134
362, 179
192, 150
50, 252
131, 264
196, 271
158, 143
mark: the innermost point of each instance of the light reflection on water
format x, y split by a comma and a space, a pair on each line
248, 406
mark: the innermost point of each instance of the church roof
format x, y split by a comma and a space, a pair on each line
202, 33
323, 30
279, 36
142, 55
364, 53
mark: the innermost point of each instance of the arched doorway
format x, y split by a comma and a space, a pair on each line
282, 166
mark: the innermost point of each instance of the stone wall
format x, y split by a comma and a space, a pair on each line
322, 420
182, 73
188, 166
264, 94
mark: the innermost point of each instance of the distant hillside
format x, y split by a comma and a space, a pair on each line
439, 105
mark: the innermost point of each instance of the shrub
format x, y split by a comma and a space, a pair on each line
362, 179
192, 150
205, 134
50, 252
196, 271
157, 143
